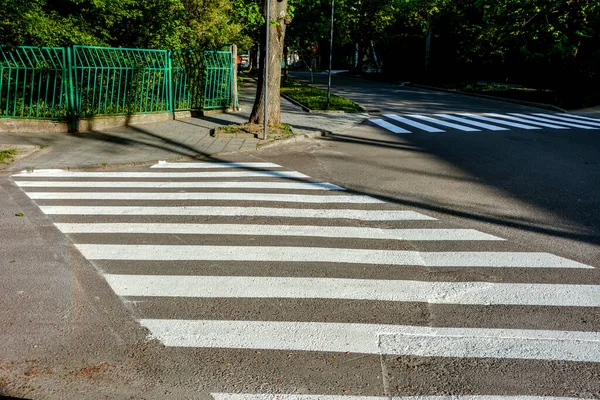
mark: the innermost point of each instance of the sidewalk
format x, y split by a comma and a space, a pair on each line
170, 140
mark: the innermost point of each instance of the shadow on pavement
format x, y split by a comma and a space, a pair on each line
555, 172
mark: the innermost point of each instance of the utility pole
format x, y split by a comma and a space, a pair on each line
330, 54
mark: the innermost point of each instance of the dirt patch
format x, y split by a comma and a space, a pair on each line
245, 131
9, 153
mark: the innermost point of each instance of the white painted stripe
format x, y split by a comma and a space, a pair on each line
203, 174
499, 121
281, 396
364, 215
183, 185
280, 230
577, 116
567, 117
561, 123
378, 339
195, 165
41, 171
412, 123
390, 127
473, 293
444, 123
277, 197
527, 121
474, 123
325, 255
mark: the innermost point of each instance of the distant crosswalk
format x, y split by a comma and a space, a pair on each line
469, 122
205, 231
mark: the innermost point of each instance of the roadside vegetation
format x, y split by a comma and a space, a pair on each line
550, 47
7, 156
316, 99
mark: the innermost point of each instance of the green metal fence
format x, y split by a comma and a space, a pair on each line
219, 73
188, 79
33, 82
87, 81
116, 81
202, 80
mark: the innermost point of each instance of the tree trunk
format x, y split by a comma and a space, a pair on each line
279, 19
252, 59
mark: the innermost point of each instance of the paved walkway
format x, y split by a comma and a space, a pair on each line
169, 140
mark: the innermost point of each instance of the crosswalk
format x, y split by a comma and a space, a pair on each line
245, 232
469, 122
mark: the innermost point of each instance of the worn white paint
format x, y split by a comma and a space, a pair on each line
364, 215
325, 255
378, 339
472, 293
280, 230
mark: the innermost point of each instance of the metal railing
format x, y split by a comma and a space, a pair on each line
34, 82
87, 81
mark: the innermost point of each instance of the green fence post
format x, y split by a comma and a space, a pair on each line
169, 73
72, 113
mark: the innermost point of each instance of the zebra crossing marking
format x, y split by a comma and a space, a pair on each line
225, 196
471, 293
212, 165
444, 123
313, 336
500, 121
415, 124
378, 339
560, 123
577, 116
182, 185
281, 230
325, 255
390, 127
282, 396
362, 215
474, 123
202, 174
527, 121
569, 119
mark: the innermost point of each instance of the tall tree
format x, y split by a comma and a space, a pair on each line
277, 25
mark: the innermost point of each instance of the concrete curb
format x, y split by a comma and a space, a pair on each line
484, 96
300, 137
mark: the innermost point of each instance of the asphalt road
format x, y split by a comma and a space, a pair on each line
455, 263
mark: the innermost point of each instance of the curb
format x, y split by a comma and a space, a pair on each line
300, 137
484, 96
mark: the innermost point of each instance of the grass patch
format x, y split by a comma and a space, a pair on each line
316, 99
255, 130
6, 156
